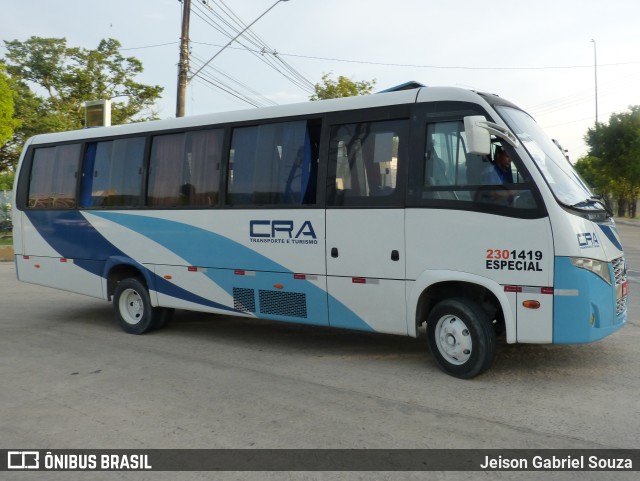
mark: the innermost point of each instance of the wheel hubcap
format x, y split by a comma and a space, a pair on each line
131, 306
453, 339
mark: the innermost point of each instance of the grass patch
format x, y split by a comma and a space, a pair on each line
6, 241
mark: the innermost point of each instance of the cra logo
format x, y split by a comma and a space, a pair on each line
281, 229
587, 240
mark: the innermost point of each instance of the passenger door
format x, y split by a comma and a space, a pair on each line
365, 245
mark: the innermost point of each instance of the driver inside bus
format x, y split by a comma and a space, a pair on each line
499, 173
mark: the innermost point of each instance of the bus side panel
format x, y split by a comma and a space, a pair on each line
61, 273
530, 327
38, 262
366, 269
257, 240
511, 252
17, 220
368, 304
195, 281
256, 263
265, 295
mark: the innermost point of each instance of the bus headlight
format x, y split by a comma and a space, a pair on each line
599, 268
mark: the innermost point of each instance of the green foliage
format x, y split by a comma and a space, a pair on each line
617, 144
328, 88
7, 121
593, 170
50, 81
5, 215
6, 180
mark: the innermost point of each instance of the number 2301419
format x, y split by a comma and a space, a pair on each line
505, 254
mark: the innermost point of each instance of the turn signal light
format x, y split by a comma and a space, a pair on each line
531, 304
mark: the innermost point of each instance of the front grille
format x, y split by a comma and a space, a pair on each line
619, 270
621, 305
620, 276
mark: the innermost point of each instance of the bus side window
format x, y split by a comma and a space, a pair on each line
452, 174
185, 169
363, 163
112, 173
445, 160
54, 171
274, 164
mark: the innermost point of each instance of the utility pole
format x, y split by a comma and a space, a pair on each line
595, 72
183, 66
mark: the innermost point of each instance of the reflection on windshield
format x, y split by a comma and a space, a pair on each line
564, 181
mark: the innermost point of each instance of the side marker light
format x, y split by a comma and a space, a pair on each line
531, 304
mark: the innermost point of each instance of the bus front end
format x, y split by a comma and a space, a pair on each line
590, 283
590, 275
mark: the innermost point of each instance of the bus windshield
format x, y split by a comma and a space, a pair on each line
565, 182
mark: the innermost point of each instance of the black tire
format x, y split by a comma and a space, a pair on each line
164, 316
461, 337
133, 310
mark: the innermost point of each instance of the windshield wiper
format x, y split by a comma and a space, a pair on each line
594, 199
603, 202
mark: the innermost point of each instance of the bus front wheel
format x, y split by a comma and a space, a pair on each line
461, 338
133, 309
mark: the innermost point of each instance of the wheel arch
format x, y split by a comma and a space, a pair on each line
119, 268
433, 286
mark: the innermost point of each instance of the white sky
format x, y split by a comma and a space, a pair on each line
504, 46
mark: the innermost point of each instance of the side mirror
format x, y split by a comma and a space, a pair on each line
478, 137
479, 131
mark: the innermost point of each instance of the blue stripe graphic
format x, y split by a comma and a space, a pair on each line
203, 248
612, 234
73, 237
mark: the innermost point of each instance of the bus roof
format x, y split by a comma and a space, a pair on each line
422, 94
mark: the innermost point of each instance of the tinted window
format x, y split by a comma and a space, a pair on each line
185, 169
363, 164
112, 173
273, 164
53, 177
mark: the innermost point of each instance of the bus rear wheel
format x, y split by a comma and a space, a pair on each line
461, 338
133, 309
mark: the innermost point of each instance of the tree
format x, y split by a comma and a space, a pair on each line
593, 170
50, 81
6, 180
343, 87
617, 144
7, 121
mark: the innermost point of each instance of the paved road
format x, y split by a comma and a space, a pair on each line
72, 379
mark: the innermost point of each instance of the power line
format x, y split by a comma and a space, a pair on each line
551, 106
237, 36
385, 64
239, 32
209, 83
579, 120
453, 67
151, 46
265, 49
252, 93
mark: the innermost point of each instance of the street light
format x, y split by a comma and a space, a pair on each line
234, 38
595, 71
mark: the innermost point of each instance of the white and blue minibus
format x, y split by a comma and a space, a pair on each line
377, 213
